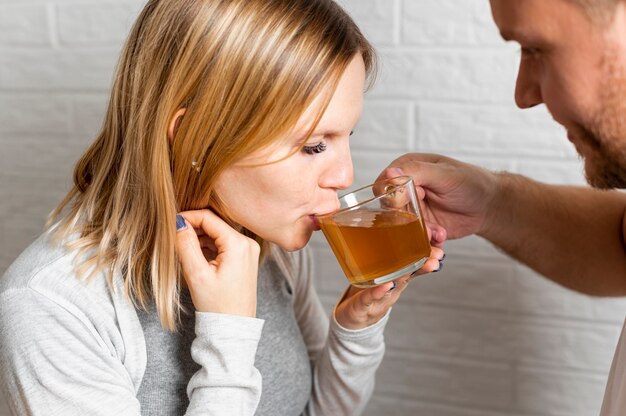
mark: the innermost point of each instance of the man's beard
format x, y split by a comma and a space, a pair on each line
606, 133
606, 168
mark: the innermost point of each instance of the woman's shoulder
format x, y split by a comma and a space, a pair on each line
43, 300
47, 270
42, 258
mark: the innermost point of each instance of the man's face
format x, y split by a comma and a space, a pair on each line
578, 69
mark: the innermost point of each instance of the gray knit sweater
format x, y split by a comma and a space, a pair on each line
73, 348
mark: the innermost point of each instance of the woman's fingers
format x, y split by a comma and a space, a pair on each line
433, 264
219, 264
209, 224
360, 308
189, 251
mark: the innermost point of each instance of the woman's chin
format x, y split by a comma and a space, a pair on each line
296, 242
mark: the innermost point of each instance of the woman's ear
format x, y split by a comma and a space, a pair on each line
174, 123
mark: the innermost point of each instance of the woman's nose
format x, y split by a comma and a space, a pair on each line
339, 174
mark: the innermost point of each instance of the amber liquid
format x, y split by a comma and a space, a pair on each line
371, 244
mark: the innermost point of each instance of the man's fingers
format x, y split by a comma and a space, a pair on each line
436, 234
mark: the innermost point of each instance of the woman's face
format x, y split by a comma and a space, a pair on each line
277, 201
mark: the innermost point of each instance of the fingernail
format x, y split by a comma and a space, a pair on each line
396, 171
443, 257
180, 223
395, 284
414, 274
439, 269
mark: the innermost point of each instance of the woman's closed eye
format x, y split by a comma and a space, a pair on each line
318, 148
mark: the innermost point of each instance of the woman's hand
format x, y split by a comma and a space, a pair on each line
220, 265
360, 308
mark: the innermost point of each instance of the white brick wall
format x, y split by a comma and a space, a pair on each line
484, 337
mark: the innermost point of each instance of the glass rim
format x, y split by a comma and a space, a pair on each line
408, 179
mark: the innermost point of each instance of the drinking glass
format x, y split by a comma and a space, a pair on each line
378, 234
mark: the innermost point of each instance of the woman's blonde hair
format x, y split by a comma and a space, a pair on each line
244, 70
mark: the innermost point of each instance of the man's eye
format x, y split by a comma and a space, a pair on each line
529, 51
318, 148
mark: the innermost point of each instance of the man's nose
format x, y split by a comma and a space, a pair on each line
527, 88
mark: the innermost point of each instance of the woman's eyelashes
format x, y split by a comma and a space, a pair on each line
317, 148
311, 150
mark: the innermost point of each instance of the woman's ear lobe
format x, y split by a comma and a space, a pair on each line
174, 123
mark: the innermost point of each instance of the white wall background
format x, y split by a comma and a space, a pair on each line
483, 337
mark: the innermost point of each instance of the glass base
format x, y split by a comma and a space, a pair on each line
391, 276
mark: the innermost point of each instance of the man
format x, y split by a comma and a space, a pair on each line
573, 61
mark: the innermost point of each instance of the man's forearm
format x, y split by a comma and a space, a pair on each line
572, 235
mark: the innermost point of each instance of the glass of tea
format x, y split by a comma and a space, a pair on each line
378, 234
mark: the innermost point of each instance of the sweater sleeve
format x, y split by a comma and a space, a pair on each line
54, 363
227, 383
344, 361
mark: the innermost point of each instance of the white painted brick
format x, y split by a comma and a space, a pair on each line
565, 172
466, 282
24, 24
24, 207
382, 405
88, 114
368, 165
40, 113
448, 22
50, 155
473, 247
448, 332
490, 129
539, 296
560, 393
105, 23
569, 345
62, 70
457, 75
375, 18
384, 125
460, 382
31, 197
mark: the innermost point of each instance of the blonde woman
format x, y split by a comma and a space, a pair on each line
171, 280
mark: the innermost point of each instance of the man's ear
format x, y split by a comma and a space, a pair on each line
174, 123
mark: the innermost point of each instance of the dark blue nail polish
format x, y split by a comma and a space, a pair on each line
180, 222
440, 267
414, 274
395, 285
443, 258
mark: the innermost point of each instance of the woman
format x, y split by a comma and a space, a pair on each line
171, 280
